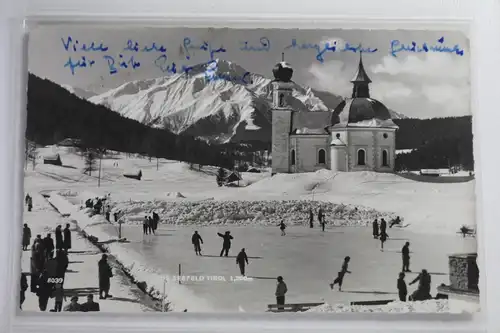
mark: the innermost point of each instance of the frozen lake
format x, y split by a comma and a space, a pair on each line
308, 260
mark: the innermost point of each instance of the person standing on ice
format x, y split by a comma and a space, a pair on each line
311, 218
241, 259
323, 224
226, 245
383, 227
26, 237
67, 238
383, 238
145, 225
375, 228
108, 213
281, 290
24, 287
30, 203
48, 244
343, 271
59, 238
196, 240
405, 251
402, 290
282, 226
320, 215
105, 274
150, 225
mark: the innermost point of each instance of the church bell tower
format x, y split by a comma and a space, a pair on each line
281, 117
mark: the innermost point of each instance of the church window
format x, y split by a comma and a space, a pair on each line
293, 156
361, 157
282, 100
321, 156
338, 135
385, 135
385, 158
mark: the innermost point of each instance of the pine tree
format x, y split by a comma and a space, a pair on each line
221, 174
90, 161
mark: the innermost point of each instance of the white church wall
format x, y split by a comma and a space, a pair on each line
307, 149
361, 139
338, 158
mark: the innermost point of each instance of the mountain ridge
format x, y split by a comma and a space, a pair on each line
218, 101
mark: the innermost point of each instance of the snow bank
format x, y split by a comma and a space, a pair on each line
430, 306
271, 212
154, 281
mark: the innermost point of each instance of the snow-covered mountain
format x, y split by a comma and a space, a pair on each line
82, 93
233, 105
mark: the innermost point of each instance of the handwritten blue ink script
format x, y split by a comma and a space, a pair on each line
134, 55
397, 46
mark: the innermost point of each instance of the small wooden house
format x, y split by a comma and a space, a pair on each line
253, 170
52, 159
232, 177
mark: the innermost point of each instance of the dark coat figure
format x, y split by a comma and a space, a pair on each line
90, 305
226, 245
145, 225
405, 252
282, 226
29, 202
150, 225
397, 220
37, 262
156, 220
323, 223
383, 226
98, 206
340, 278
423, 291
241, 259
23, 288
196, 240
48, 244
26, 237
115, 215
88, 203
51, 267
27, 198
311, 218
59, 238
105, 274
320, 215
375, 229
44, 290
67, 238
74, 306
383, 238
402, 290
62, 263
281, 290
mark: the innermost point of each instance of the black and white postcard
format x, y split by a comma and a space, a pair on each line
258, 171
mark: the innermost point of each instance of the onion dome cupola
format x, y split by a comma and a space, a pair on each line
361, 110
283, 72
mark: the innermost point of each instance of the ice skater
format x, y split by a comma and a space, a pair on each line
320, 215
383, 227
150, 225
241, 260
405, 251
323, 224
281, 290
145, 225
383, 238
375, 228
402, 290
26, 237
196, 240
340, 278
311, 218
397, 221
282, 226
226, 245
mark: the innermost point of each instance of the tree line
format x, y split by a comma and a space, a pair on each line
437, 143
55, 114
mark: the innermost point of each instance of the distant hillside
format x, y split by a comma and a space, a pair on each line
437, 143
55, 114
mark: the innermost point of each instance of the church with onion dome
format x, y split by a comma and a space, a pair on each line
358, 135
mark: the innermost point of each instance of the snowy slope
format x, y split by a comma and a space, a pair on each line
82, 93
217, 110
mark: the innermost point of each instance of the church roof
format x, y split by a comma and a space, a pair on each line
311, 122
361, 76
362, 112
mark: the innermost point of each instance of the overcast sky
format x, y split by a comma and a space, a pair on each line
419, 85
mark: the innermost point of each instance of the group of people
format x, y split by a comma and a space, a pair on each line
380, 230
150, 223
321, 218
45, 263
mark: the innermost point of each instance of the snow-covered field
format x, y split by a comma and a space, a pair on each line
308, 259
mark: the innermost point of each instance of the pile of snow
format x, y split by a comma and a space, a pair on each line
430, 306
154, 282
248, 212
175, 195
